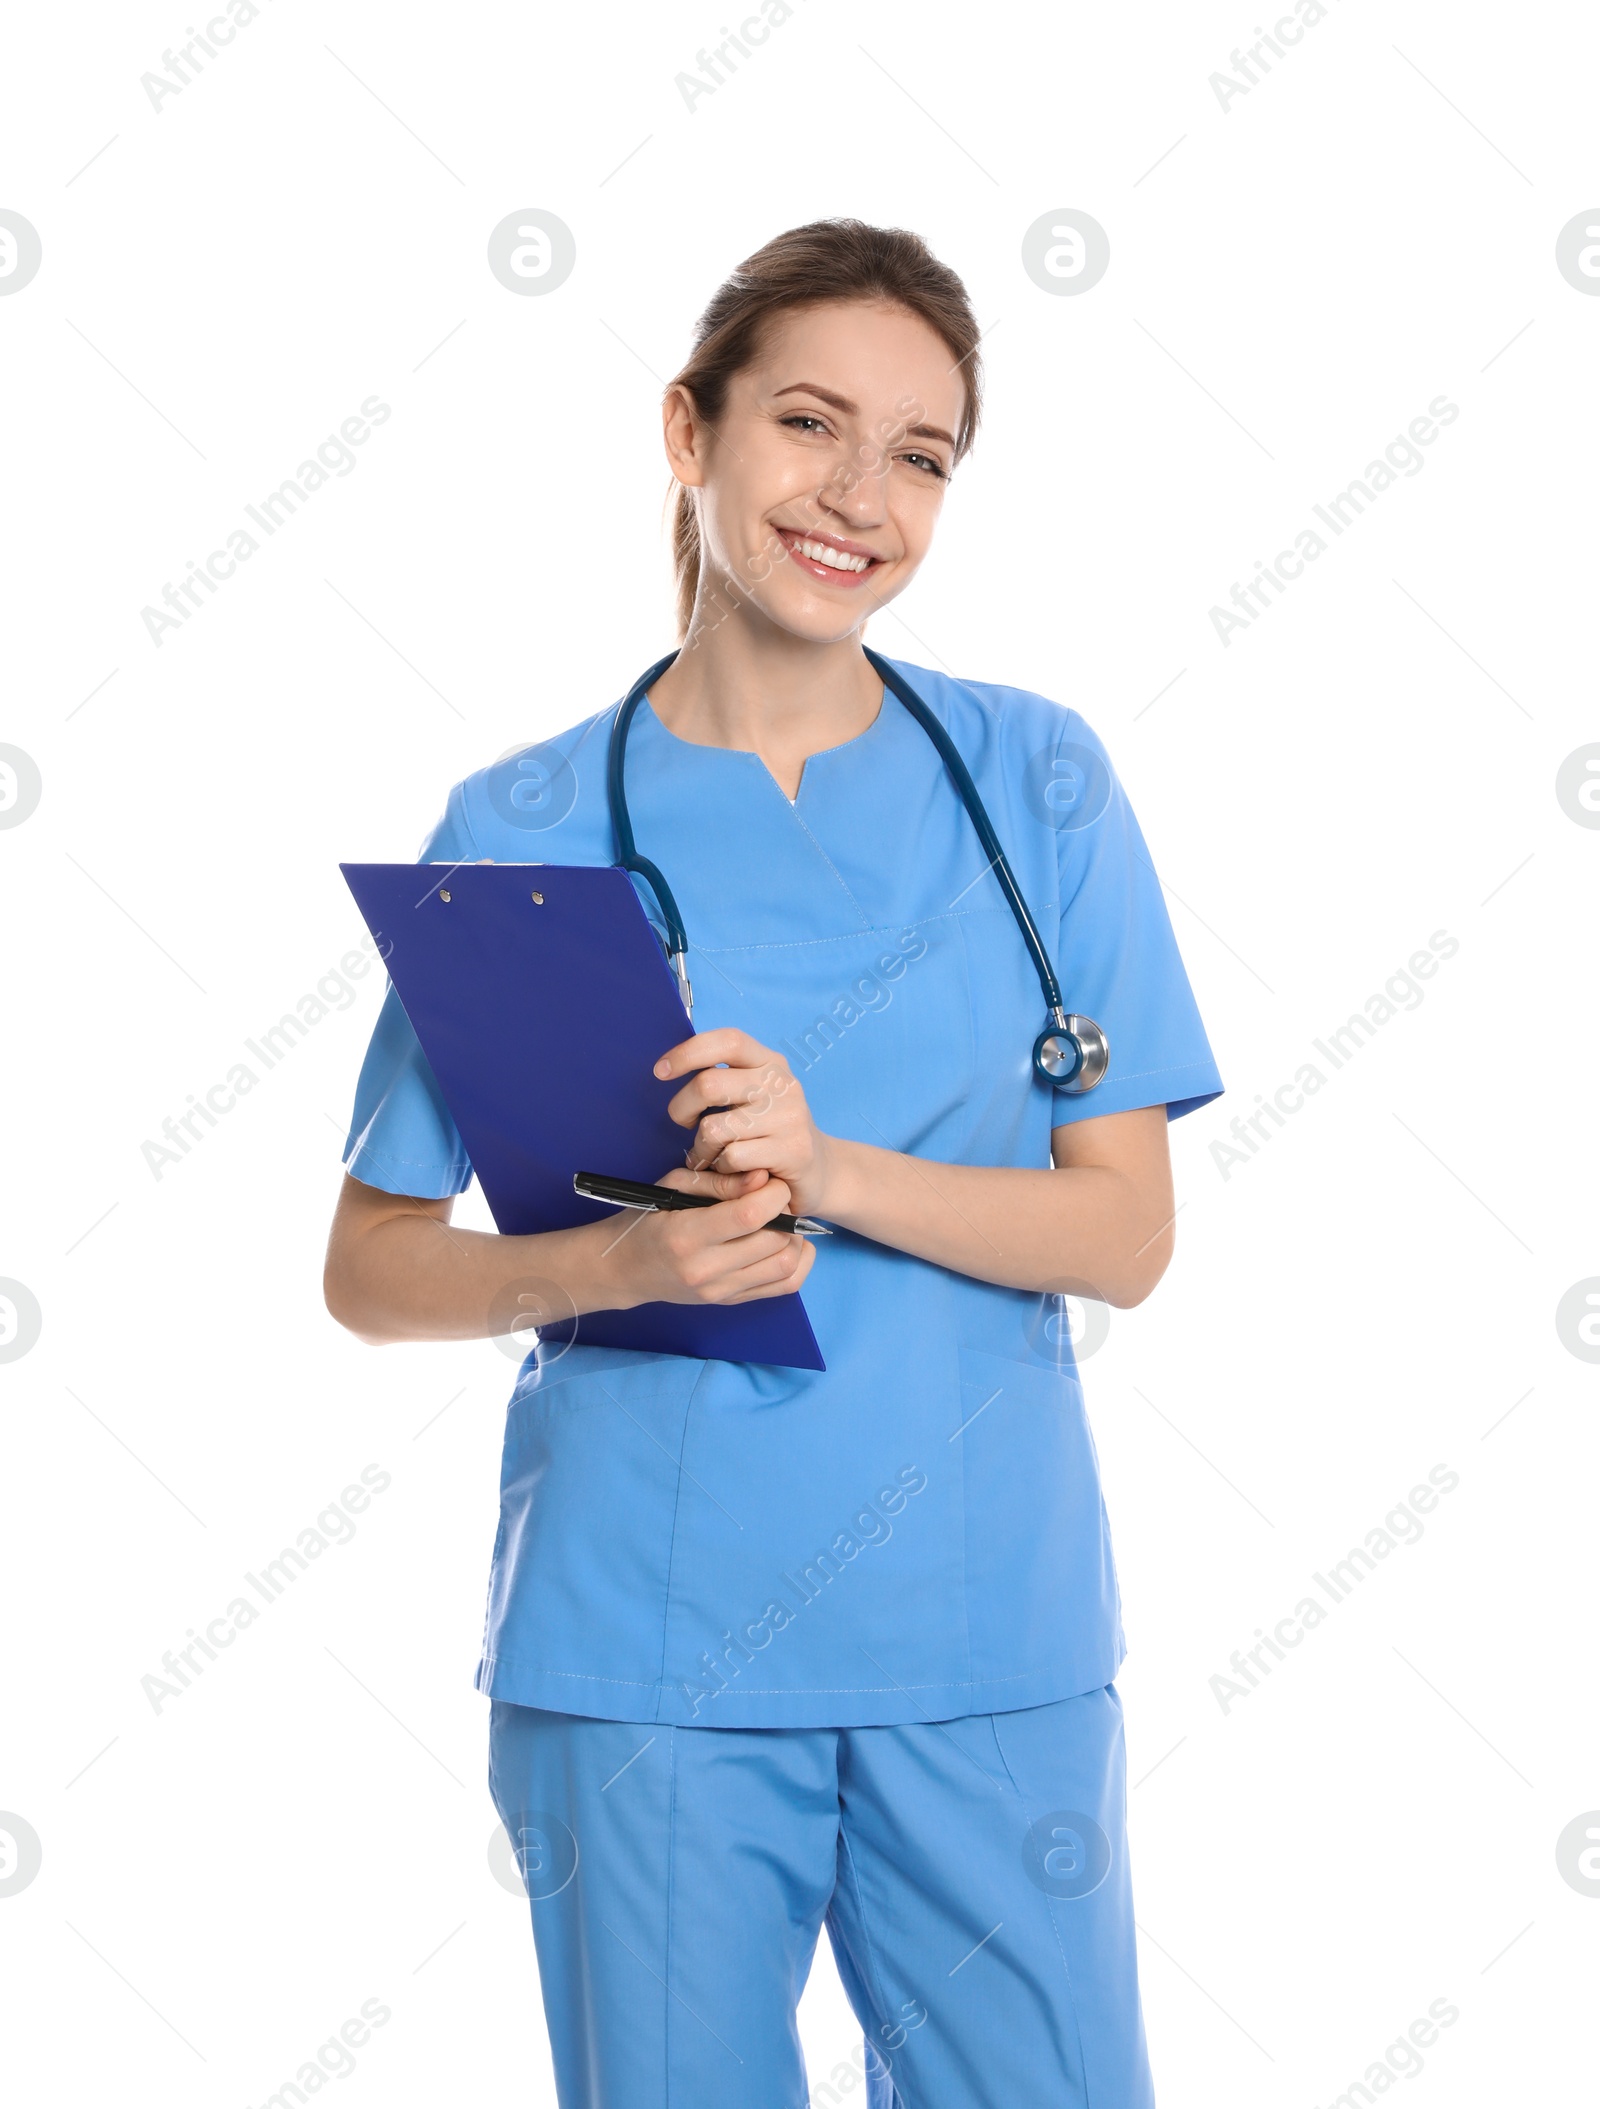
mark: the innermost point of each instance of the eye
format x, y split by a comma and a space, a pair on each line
805, 417
927, 463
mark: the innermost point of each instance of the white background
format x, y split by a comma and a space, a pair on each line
1371, 1294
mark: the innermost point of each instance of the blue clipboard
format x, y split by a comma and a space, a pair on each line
542, 999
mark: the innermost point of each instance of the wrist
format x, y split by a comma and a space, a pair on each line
837, 1184
592, 1263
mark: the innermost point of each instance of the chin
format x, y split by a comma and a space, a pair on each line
817, 622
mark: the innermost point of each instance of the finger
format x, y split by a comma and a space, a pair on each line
774, 1261
723, 1185
702, 1050
742, 1217
734, 1158
718, 1137
757, 1208
735, 1086
712, 1272
729, 1234
778, 1276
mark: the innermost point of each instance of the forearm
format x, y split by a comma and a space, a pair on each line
1086, 1228
415, 1277
397, 1269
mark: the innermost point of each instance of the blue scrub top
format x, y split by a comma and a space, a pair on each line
918, 1532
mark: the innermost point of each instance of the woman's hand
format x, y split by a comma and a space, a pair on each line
749, 1117
718, 1255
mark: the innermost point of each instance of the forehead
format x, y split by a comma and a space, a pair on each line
871, 353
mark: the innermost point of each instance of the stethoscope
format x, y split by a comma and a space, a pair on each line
1071, 1053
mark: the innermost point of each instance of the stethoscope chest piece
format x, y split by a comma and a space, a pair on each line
1072, 1054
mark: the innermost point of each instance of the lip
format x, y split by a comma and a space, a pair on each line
825, 574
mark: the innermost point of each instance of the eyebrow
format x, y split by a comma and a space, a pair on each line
846, 408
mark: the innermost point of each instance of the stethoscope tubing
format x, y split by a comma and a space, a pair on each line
1082, 1035
621, 821
978, 814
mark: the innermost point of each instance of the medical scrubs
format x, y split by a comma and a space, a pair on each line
915, 1535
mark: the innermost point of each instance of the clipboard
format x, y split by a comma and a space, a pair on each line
542, 999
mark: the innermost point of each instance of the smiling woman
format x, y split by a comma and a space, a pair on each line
938, 1739
900, 332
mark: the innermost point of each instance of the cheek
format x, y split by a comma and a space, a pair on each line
915, 512
737, 507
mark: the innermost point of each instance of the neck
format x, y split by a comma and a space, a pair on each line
742, 682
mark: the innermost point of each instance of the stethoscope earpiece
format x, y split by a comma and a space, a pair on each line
1071, 1054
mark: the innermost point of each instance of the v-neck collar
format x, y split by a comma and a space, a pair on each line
747, 754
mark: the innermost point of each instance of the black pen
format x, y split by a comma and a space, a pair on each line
635, 1193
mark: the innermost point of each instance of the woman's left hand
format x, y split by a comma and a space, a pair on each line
762, 1123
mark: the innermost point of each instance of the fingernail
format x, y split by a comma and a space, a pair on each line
663, 1066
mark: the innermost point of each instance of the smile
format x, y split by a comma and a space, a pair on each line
826, 558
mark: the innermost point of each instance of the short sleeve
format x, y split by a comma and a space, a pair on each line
1116, 956
402, 1138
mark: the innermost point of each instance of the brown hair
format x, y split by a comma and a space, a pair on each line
827, 260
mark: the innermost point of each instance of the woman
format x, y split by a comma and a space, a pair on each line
765, 1645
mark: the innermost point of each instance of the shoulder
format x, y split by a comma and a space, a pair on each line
1037, 764
531, 789
990, 717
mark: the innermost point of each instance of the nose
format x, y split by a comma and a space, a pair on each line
856, 492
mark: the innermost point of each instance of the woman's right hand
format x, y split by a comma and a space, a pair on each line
718, 1255
397, 1268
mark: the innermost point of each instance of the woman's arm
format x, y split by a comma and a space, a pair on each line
1099, 1224
397, 1269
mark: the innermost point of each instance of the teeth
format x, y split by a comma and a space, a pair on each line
821, 553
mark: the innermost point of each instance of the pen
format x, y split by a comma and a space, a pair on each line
635, 1193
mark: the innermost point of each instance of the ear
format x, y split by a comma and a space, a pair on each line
684, 438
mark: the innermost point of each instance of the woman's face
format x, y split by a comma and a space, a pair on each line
821, 483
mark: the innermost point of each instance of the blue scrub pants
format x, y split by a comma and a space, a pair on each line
973, 1875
